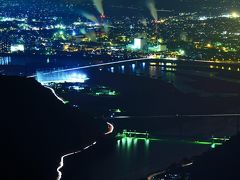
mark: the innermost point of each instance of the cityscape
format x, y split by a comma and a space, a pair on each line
192, 35
120, 89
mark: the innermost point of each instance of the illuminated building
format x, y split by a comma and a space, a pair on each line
157, 48
17, 48
60, 77
5, 47
139, 44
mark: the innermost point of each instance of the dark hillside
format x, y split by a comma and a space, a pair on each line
221, 163
36, 129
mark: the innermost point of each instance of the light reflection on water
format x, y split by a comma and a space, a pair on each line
130, 145
144, 69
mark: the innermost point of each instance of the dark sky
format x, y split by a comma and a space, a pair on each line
136, 3
135, 7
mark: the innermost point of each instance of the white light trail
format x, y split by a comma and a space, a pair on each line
61, 164
212, 115
54, 93
91, 66
179, 116
188, 164
151, 177
122, 117
110, 128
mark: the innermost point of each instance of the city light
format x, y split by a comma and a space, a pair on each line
235, 15
17, 47
74, 33
181, 52
137, 43
61, 77
165, 70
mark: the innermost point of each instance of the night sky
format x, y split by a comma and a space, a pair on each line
115, 6
133, 7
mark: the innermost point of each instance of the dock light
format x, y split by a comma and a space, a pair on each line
213, 146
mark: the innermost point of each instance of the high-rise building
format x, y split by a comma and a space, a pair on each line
17, 48
5, 47
139, 44
184, 36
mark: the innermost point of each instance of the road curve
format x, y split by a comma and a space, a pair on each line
110, 128
55, 94
61, 163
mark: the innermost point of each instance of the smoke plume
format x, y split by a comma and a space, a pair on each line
90, 17
153, 10
99, 6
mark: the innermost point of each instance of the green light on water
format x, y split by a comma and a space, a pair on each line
201, 142
131, 138
118, 143
129, 141
135, 141
206, 143
147, 141
124, 142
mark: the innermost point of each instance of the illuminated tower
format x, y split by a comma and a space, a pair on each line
102, 17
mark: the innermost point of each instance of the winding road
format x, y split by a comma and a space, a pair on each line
61, 164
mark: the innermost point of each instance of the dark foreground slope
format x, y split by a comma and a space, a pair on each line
36, 129
222, 163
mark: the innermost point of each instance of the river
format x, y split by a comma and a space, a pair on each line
144, 91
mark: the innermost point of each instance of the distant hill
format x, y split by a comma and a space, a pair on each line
36, 129
221, 163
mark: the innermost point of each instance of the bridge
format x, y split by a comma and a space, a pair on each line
180, 116
131, 136
229, 67
236, 117
92, 66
